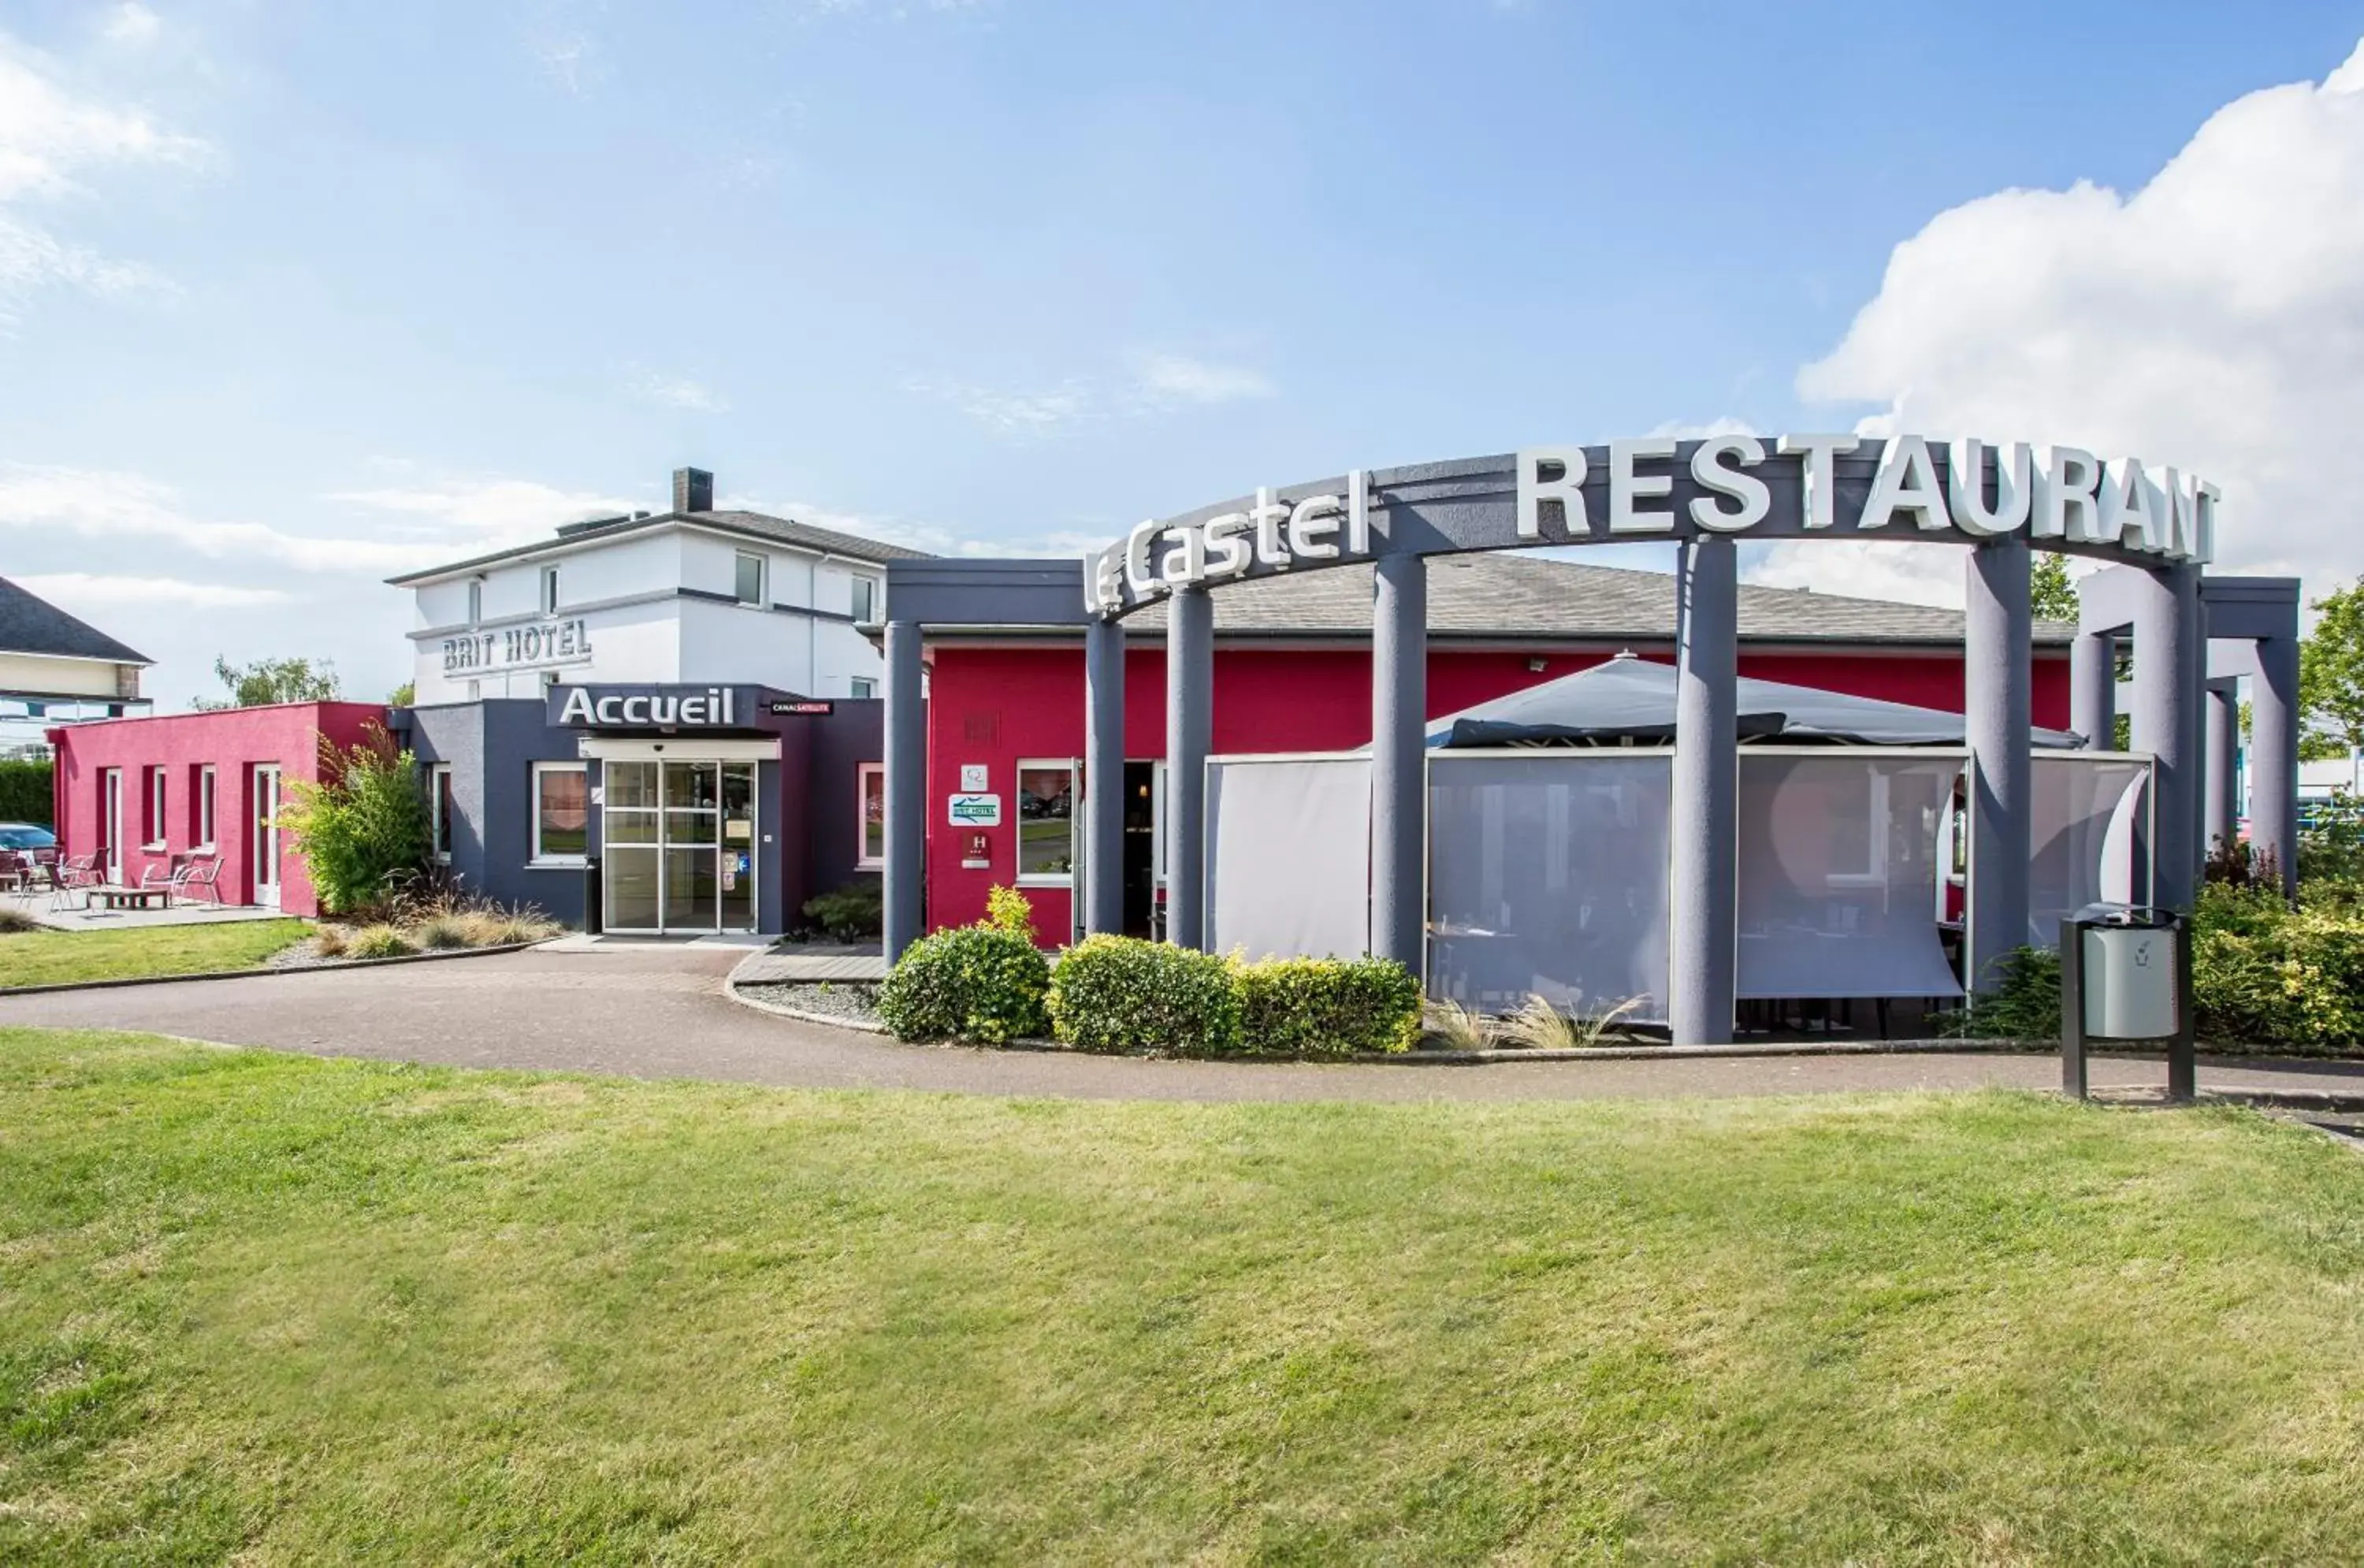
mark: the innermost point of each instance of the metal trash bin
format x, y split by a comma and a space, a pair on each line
2125, 975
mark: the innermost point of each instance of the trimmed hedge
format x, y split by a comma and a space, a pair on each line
1316, 1007
25, 793
982, 982
1121, 993
849, 913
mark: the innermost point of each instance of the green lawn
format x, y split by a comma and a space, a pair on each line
290, 1310
52, 958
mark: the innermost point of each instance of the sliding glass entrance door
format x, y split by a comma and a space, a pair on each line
677, 851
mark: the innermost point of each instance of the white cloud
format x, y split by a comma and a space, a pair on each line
132, 23
680, 392
1723, 425
51, 140
89, 595
1178, 378
1013, 413
484, 513
2213, 320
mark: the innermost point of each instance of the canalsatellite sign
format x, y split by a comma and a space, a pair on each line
1794, 486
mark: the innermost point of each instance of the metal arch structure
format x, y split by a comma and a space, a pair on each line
1704, 497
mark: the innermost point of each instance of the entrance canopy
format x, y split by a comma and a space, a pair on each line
1629, 701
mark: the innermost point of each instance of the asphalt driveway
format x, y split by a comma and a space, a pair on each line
653, 1010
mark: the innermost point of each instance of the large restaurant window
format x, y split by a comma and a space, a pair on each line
439, 808
562, 813
1046, 822
870, 794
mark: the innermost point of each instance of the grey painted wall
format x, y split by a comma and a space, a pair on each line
492, 747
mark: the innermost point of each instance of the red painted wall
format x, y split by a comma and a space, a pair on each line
233, 740
997, 705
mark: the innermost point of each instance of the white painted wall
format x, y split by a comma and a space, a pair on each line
671, 640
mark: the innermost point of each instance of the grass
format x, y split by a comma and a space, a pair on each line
291, 1310
56, 957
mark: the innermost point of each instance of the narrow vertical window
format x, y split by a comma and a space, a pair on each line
865, 600
439, 810
1046, 822
204, 831
749, 583
550, 590
155, 825
870, 794
476, 600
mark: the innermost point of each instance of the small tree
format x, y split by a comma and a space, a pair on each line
2050, 594
2330, 675
269, 681
363, 824
403, 695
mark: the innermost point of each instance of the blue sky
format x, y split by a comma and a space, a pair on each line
293, 294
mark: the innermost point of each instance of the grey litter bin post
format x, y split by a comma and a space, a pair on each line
2125, 975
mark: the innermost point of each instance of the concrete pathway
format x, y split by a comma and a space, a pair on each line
657, 1011
76, 915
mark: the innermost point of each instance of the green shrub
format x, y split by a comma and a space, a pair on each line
379, 942
1006, 909
363, 827
25, 791
2025, 1004
1326, 1007
1121, 993
2264, 973
849, 913
983, 983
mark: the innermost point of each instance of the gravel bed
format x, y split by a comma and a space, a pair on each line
305, 954
853, 999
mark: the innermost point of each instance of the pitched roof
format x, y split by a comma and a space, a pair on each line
31, 625
1508, 595
751, 525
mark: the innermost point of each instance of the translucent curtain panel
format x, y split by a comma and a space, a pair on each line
1289, 857
1838, 874
1547, 876
2086, 828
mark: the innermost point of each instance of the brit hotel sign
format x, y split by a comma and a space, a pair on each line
1796, 486
537, 645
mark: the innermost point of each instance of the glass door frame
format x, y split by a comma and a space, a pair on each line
265, 803
663, 846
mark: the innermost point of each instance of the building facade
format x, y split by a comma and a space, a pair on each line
1292, 673
55, 668
691, 596
147, 796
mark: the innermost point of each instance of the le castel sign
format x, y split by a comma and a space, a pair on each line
1792, 486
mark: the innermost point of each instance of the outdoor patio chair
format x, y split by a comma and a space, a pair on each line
199, 874
75, 874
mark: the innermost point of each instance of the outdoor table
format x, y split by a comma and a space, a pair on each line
133, 898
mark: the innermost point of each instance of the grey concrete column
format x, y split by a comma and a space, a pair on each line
2220, 811
1103, 888
905, 913
2170, 651
2273, 756
2094, 689
1996, 698
1398, 760
1702, 887
1189, 735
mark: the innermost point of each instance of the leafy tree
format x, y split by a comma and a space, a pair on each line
403, 695
363, 824
2331, 671
2050, 593
269, 681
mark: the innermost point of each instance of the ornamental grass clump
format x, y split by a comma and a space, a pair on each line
983, 983
1123, 995
379, 942
1327, 1006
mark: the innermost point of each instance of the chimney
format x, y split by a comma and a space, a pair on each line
693, 490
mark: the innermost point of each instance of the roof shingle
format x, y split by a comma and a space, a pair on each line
32, 625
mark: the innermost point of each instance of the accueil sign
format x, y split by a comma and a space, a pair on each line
585, 707
1787, 487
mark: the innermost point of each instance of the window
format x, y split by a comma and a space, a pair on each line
865, 600
870, 794
203, 829
439, 808
153, 836
748, 582
562, 813
476, 600
863, 688
550, 590
1046, 822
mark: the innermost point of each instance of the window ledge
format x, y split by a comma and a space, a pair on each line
870, 865
558, 862
154, 847
1040, 880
